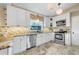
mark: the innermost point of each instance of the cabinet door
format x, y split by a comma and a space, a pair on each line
15, 16
51, 36
42, 38
23, 43
20, 17
67, 39
39, 39
16, 45
11, 16
27, 18
46, 22
4, 52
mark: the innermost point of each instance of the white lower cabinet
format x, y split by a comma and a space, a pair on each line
67, 39
40, 39
51, 36
16, 45
43, 38
23, 43
4, 51
19, 44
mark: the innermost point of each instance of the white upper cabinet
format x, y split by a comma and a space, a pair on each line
46, 22
20, 17
17, 16
11, 16
27, 18
62, 17
58, 18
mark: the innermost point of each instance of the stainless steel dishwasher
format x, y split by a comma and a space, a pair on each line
32, 41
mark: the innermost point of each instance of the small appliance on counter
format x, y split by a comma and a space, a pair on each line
31, 41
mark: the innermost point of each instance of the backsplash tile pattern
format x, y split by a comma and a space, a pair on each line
2, 16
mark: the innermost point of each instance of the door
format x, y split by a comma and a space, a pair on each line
75, 30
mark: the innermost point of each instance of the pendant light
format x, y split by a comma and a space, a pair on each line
59, 9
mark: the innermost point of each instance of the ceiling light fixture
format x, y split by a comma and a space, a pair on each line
52, 6
59, 9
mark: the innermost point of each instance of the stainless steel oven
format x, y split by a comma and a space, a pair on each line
59, 38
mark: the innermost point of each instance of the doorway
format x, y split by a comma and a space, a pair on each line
75, 30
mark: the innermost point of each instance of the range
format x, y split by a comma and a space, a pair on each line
60, 37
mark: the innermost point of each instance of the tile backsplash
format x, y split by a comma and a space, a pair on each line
2, 16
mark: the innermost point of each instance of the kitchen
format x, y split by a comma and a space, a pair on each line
22, 29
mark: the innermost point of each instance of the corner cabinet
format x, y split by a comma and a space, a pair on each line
16, 16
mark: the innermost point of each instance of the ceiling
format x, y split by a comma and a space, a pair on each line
42, 8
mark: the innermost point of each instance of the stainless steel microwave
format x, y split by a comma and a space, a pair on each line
61, 23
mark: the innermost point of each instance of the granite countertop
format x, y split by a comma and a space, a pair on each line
4, 42
7, 34
4, 47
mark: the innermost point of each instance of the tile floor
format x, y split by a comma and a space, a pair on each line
51, 48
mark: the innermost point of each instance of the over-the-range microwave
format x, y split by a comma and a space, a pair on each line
61, 23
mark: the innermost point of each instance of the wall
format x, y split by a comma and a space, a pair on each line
76, 13
72, 9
